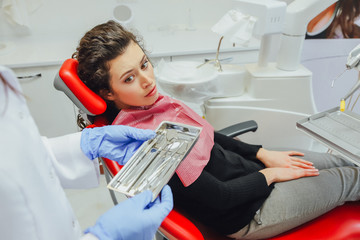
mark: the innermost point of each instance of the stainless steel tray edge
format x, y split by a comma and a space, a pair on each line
323, 137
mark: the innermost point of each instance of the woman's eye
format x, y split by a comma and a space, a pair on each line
145, 64
129, 79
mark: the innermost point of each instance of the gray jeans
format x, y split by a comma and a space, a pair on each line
295, 202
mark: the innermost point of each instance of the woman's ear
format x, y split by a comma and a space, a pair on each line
106, 94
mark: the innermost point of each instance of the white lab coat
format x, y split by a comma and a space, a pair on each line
33, 172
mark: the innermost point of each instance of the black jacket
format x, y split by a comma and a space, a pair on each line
230, 189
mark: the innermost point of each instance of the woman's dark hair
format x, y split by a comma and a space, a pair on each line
348, 11
100, 45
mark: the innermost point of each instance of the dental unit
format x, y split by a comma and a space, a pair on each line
276, 94
279, 93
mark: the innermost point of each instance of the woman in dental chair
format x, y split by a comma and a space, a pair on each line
242, 191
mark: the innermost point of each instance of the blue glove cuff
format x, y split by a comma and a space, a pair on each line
97, 231
85, 144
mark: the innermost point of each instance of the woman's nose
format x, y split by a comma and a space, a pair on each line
146, 81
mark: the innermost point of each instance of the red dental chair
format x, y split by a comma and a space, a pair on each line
339, 224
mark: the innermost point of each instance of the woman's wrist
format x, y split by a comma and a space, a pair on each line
261, 153
269, 175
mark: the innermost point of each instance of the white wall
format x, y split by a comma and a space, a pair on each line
57, 26
75, 17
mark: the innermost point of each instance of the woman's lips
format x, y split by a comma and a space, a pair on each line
152, 92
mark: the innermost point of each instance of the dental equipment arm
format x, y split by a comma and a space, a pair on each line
353, 61
292, 23
270, 16
298, 14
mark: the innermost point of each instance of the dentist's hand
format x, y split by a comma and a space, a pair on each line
135, 218
115, 142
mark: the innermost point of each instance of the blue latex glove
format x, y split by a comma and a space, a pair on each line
115, 142
135, 218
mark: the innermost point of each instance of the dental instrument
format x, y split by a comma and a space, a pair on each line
352, 62
333, 81
165, 170
154, 163
216, 60
131, 165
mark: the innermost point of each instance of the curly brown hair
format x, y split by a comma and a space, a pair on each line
97, 47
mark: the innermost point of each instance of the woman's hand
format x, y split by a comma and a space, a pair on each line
283, 159
285, 174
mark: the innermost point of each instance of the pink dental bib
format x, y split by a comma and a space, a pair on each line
168, 109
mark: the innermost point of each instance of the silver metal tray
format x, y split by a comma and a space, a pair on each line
155, 162
339, 131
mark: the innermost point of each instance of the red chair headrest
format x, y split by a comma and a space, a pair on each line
68, 81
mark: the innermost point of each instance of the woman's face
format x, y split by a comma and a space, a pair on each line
132, 80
